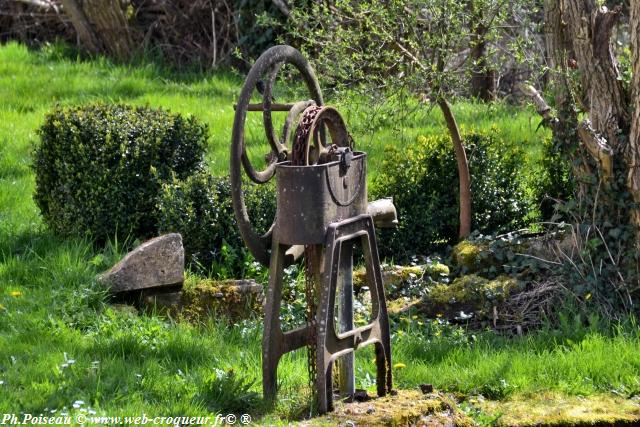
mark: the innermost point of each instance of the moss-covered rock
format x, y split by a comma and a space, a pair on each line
513, 255
231, 299
392, 275
473, 289
402, 305
466, 295
400, 281
470, 256
436, 270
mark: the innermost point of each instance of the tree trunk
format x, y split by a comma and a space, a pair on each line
483, 85
463, 168
282, 7
633, 149
578, 38
597, 128
110, 23
603, 96
587, 76
558, 49
102, 26
86, 35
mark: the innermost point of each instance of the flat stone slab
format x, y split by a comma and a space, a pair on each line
158, 262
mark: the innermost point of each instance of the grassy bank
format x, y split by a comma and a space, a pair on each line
61, 344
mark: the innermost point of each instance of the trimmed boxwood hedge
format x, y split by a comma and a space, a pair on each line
100, 168
201, 209
423, 181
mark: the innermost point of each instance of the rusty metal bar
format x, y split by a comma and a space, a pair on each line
384, 213
260, 107
347, 379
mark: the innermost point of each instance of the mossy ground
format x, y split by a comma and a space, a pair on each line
556, 410
413, 408
403, 408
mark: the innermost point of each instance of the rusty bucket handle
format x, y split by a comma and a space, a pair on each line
358, 188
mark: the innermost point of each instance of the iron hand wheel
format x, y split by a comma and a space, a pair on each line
266, 67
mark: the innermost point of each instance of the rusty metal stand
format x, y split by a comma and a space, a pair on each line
330, 343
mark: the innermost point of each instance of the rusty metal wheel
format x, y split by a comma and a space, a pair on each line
310, 146
266, 70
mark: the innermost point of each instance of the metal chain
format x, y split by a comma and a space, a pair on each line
300, 143
298, 158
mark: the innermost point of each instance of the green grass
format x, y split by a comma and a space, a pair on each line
52, 312
32, 82
575, 360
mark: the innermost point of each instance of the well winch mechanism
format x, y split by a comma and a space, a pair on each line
322, 212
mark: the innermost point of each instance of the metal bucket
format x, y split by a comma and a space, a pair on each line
312, 197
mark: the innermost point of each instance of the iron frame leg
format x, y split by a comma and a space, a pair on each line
330, 344
346, 363
275, 342
272, 335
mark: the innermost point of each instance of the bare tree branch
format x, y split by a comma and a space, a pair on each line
538, 101
282, 7
43, 4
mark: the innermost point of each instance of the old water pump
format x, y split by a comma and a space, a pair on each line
322, 212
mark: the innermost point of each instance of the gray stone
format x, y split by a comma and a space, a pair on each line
156, 263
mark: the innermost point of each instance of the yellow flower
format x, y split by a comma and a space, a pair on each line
399, 366
15, 294
422, 139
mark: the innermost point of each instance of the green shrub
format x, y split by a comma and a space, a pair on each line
100, 168
554, 181
200, 208
423, 181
